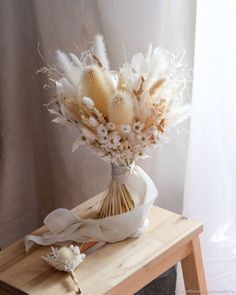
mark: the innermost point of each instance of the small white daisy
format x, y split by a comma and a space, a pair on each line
114, 140
125, 128
138, 127
82, 140
144, 138
103, 138
111, 126
102, 130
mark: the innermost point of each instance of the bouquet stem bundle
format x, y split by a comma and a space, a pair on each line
117, 199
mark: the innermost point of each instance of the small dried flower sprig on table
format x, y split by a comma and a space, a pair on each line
66, 259
121, 114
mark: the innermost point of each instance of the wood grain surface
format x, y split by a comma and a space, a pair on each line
117, 268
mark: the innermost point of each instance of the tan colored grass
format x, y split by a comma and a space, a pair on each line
96, 85
156, 86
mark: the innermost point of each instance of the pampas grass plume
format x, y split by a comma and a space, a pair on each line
67, 68
120, 110
96, 85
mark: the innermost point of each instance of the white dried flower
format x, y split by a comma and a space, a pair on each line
111, 126
113, 140
115, 137
143, 138
92, 121
138, 126
82, 140
88, 102
65, 259
125, 128
101, 130
103, 138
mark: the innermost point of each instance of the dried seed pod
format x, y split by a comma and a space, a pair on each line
96, 85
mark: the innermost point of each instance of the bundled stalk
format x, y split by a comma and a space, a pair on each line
117, 200
119, 115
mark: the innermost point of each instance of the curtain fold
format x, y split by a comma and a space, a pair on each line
210, 186
38, 171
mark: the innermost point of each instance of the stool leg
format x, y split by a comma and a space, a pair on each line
193, 271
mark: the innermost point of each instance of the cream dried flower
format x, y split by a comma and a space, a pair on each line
65, 259
143, 138
103, 138
138, 126
101, 130
125, 128
111, 126
114, 140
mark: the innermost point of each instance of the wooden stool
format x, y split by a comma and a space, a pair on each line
119, 268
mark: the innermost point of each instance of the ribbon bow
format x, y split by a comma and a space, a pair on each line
63, 225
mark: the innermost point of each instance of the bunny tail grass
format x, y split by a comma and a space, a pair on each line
96, 85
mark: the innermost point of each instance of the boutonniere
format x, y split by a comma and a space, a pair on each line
66, 259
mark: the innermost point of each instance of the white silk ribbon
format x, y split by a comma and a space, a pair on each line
63, 225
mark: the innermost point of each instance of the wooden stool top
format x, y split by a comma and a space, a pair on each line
118, 268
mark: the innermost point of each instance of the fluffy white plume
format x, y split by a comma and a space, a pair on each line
76, 61
178, 115
68, 70
64, 88
100, 51
63, 62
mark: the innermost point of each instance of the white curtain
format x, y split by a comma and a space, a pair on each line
210, 182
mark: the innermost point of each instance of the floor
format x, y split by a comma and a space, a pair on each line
163, 285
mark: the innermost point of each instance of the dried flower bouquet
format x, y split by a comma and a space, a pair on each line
120, 114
